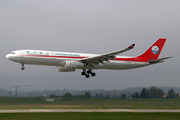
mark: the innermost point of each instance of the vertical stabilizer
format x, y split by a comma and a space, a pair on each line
154, 51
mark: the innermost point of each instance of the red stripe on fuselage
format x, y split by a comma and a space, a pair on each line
133, 59
75, 57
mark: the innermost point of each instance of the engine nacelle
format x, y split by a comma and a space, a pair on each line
62, 69
74, 64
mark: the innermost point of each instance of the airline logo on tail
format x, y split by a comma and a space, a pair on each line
155, 49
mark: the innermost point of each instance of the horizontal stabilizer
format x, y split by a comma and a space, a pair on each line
158, 60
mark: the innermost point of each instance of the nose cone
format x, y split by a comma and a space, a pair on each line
7, 56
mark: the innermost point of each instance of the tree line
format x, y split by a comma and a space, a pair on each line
69, 95
154, 92
85, 95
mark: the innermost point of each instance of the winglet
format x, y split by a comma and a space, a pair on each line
131, 47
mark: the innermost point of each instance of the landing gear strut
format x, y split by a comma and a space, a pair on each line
23, 68
88, 73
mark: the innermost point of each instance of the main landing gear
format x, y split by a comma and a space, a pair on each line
88, 73
23, 68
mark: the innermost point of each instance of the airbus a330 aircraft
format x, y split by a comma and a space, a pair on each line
68, 62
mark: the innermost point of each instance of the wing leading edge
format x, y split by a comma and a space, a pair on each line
93, 61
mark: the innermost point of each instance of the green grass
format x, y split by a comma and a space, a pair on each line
89, 116
88, 103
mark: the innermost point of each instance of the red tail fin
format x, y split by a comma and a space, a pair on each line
154, 51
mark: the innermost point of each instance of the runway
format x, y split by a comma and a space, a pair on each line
87, 110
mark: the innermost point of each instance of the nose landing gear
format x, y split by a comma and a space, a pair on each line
88, 73
23, 68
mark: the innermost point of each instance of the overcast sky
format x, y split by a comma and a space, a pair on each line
89, 26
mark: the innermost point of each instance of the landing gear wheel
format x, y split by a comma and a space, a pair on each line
93, 74
87, 75
83, 73
23, 68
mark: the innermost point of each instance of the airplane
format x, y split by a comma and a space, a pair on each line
69, 62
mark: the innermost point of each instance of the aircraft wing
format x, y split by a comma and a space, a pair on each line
159, 60
104, 57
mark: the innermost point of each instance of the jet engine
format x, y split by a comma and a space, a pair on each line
62, 69
74, 64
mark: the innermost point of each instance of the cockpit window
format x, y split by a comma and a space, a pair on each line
13, 53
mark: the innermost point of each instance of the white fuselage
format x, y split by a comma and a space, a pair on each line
69, 62
54, 58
